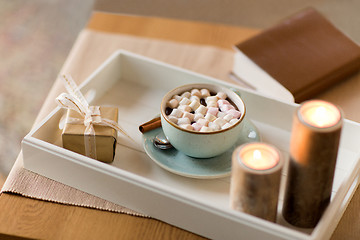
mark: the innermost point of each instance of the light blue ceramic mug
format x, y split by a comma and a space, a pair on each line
202, 144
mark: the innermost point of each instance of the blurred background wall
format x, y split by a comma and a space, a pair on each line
35, 39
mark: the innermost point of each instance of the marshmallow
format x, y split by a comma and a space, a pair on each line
205, 92
185, 108
203, 122
222, 102
186, 126
177, 97
233, 121
176, 113
186, 95
194, 105
210, 117
185, 101
205, 129
196, 126
198, 110
226, 107
201, 109
221, 114
196, 92
188, 115
228, 117
173, 119
195, 98
211, 99
197, 116
221, 95
214, 126
234, 113
183, 120
226, 125
212, 104
221, 122
213, 110
173, 103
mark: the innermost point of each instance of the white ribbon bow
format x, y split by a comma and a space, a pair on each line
90, 114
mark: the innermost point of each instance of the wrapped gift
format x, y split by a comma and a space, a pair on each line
101, 145
89, 130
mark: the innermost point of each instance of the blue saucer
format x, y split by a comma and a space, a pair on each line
205, 168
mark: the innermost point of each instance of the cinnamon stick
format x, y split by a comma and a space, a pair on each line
150, 125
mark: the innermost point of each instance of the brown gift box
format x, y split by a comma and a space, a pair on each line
105, 137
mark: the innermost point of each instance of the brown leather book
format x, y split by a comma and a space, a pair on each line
305, 53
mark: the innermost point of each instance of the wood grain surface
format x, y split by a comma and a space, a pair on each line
169, 29
45, 220
25, 217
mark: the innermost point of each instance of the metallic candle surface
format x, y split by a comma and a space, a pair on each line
255, 180
314, 146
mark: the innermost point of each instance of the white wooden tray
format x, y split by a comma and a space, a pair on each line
136, 85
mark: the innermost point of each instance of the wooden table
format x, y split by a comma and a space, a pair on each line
23, 217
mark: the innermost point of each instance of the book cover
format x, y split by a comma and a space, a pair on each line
305, 53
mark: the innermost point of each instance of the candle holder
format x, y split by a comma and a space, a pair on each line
255, 180
313, 151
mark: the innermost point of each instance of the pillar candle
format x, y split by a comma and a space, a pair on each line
314, 146
255, 180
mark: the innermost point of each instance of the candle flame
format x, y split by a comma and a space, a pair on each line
320, 114
257, 154
260, 158
321, 110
